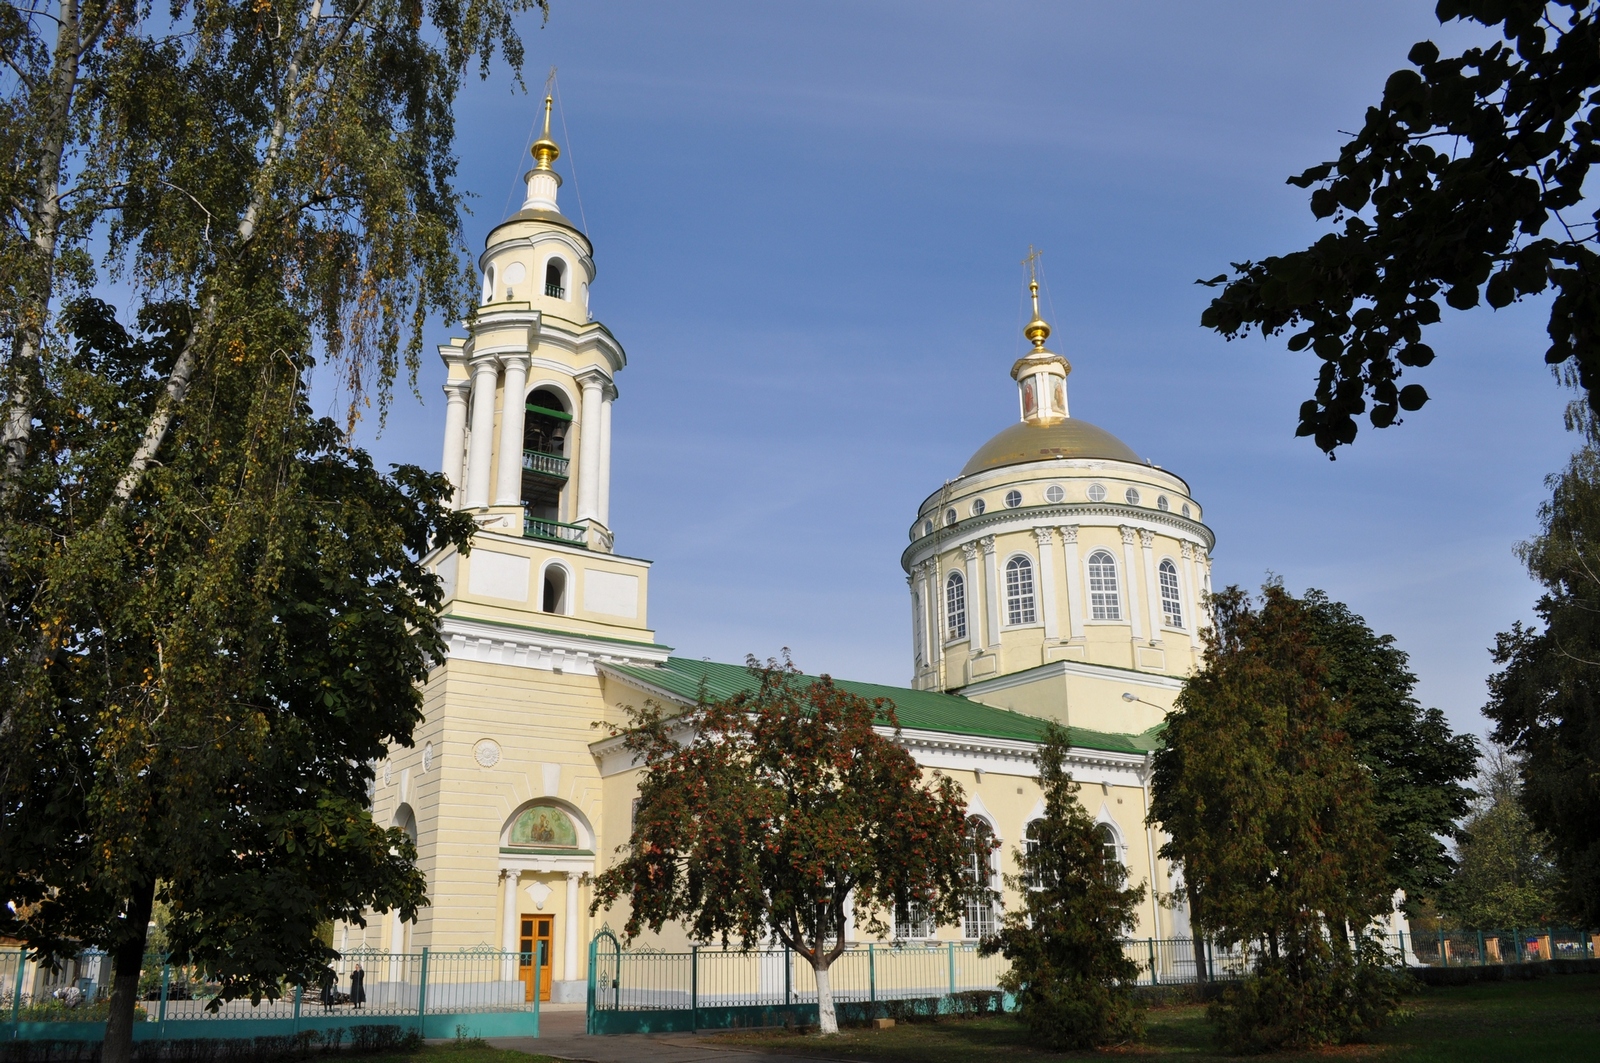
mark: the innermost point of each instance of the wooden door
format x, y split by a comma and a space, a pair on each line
534, 944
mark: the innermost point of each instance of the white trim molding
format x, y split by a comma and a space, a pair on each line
546, 651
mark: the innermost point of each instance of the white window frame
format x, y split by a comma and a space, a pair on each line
566, 278
569, 592
955, 625
984, 916
1023, 606
1096, 607
1171, 606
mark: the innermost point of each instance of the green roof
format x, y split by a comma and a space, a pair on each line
916, 710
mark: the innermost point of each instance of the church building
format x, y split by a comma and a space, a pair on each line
1057, 576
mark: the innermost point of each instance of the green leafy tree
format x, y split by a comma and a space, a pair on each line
1465, 184
1271, 815
1544, 699
766, 813
1072, 980
1504, 876
1418, 766
200, 683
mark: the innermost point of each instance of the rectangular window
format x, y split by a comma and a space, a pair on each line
913, 925
955, 606
1170, 604
1019, 591
1104, 603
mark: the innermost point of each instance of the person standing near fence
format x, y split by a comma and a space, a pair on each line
358, 987
329, 983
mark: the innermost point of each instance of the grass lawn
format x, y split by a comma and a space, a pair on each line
1552, 1020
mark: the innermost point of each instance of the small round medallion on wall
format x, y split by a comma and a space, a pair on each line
487, 753
427, 756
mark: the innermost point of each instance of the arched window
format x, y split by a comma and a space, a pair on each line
955, 606
1108, 845
554, 597
1030, 850
1019, 591
406, 820
1170, 604
979, 916
1104, 602
488, 285
555, 279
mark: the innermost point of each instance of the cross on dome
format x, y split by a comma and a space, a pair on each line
1041, 374
542, 180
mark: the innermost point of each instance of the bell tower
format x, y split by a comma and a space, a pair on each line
529, 391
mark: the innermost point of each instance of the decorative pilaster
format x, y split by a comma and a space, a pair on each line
1131, 596
569, 959
1147, 540
992, 590
480, 446
605, 454
1190, 598
508, 921
513, 407
1046, 539
1076, 598
974, 589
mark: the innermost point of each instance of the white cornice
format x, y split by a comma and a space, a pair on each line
569, 653
1081, 669
1083, 514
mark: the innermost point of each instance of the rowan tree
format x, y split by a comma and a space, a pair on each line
767, 814
1072, 980
1465, 184
1271, 814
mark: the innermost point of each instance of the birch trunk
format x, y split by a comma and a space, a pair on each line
73, 40
827, 1019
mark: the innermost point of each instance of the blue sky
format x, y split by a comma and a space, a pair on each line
808, 221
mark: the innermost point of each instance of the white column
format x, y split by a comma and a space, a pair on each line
605, 456
589, 446
916, 632
513, 407
1047, 578
480, 447
1076, 599
1147, 540
930, 620
569, 960
992, 591
935, 610
453, 464
969, 554
1131, 594
508, 921
1191, 597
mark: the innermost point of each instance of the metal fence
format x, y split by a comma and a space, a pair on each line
426, 989
1478, 948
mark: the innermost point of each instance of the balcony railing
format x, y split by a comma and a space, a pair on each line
549, 464
575, 534
555, 291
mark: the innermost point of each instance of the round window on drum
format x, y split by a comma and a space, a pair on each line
978, 507
1097, 492
1054, 494
1132, 495
1013, 499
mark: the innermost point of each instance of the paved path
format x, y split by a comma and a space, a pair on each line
562, 1036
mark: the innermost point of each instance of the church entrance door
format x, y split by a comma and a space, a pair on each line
534, 945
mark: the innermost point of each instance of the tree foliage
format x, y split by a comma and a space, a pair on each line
1417, 765
196, 687
1072, 980
1504, 876
1545, 700
1271, 814
1464, 185
764, 814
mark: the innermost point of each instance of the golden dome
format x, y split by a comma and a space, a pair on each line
1026, 441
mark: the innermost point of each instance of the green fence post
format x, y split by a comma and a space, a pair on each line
297, 991
951, 949
166, 977
1155, 979
594, 952
16, 990
1483, 959
872, 982
543, 945
788, 976
694, 988
422, 992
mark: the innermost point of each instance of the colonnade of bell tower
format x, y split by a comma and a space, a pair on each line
527, 439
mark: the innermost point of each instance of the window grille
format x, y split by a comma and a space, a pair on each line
1104, 603
913, 923
1170, 603
1019, 591
955, 605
